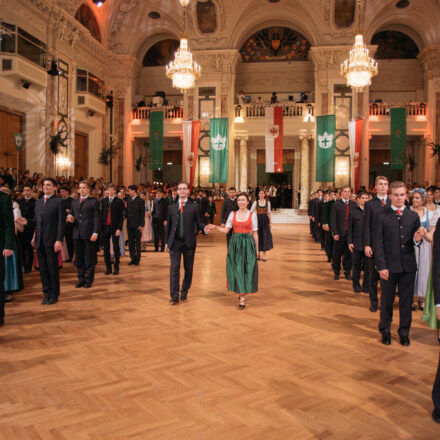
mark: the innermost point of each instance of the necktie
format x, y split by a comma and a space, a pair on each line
346, 214
108, 221
399, 211
81, 199
181, 207
180, 229
45, 199
383, 202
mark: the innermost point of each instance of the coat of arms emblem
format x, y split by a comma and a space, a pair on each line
218, 143
273, 131
325, 141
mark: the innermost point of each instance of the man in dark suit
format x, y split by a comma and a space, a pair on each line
27, 209
85, 218
310, 213
50, 222
436, 279
356, 244
321, 214
173, 197
183, 218
159, 218
112, 217
229, 205
67, 204
395, 231
339, 214
372, 208
203, 203
135, 224
315, 215
7, 231
326, 225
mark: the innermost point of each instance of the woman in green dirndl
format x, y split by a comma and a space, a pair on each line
241, 263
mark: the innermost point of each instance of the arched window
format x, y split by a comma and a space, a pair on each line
394, 45
87, 18
161, 53
275, 44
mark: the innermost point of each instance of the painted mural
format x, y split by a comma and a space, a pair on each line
344, 13
394, 45
206, 17
161, 53
275, 44
87, 18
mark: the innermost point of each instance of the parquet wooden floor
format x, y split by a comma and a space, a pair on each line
303, 361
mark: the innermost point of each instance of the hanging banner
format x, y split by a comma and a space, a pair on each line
325, 148
191, 135
218, 150
156, 140
355, 132
274, 139
398, 138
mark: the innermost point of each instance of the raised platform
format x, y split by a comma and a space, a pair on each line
289, 216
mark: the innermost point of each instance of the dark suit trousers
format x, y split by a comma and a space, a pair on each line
2, 286
373, 279
329, 244
359, 265
322, 237
85, 259
311, 227
273, 203
134, 244
178, 249
159, 233
48, 266
25, 238
69, 240
340, 250
436, 388
107, 235
405, 283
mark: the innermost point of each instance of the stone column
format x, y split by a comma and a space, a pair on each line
305, 172
243, 164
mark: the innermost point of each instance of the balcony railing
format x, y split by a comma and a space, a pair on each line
413, 108
169, 112
290, 110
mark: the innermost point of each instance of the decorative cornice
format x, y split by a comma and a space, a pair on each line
430, 59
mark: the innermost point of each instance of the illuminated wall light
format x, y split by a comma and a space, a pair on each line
169, 163
177, 121
386, 163
238, 120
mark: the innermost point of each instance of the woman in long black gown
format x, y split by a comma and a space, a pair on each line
262, 207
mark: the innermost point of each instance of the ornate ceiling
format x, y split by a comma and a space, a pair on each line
126, 27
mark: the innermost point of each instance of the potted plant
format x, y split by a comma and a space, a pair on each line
107, 155
411, 163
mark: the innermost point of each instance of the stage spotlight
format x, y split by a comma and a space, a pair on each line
53, 69
25, 84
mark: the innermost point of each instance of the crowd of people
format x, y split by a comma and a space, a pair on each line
391, 235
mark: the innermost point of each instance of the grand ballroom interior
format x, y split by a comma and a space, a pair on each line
304, 360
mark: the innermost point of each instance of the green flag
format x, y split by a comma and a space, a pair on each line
218, 150
398, 138
156, 140
325, 148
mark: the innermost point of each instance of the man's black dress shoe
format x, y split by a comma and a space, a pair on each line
87, 285
183, 297
373, 307
386, 339
435, 413
329, 260
348, 276
79, 284
336, 277
45, 300
108, 272
116, 271
136, 263
131, 262
173, 302
52, 300
357, 289
404, 340
2, 321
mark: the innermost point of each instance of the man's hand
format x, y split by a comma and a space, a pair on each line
368, 251
438, 313
165, 223
420, 233
222, 225
94, 237
208, 229
58, 246
8, 252
140, 228
21, 221
351, 247
70, 218
384, 274
336, 237
33, 241
167, 249
118, 233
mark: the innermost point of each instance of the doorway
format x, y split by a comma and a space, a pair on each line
280, 178
81, 155
9, 125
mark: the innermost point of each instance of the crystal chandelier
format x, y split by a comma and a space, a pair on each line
359, 69
183, 71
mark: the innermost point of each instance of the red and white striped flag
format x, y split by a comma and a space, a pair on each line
191, 134
274, 139
355, 133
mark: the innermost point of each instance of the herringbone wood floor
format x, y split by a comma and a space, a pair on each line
303, 361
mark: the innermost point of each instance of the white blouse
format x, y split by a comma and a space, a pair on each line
229, 222
254, 207
433, 217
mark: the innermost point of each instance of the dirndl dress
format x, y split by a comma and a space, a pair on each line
241, 262
430, 310
265, 242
